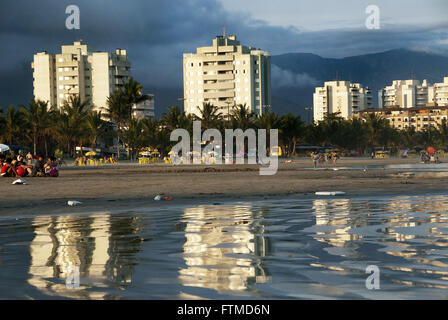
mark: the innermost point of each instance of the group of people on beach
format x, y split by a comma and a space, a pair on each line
429, 158
322, 158
36, 166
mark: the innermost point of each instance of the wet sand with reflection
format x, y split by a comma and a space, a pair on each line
126, 186
287, 249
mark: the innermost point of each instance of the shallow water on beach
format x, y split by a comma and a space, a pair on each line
417, 167
277, 249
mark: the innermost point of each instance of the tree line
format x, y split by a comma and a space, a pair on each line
44, 128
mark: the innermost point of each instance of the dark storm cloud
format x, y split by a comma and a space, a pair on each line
156, 33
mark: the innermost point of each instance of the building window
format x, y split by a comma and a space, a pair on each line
59, 69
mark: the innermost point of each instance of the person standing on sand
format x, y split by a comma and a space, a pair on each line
334, 156
315, 159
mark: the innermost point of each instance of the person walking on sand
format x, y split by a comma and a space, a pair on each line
315, 159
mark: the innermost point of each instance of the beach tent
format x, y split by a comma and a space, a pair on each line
3, 147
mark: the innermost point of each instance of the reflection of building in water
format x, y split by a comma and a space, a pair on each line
335, 213
223, 249
94, 244
406, 209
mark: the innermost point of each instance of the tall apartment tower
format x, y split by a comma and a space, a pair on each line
227, 74
76, 71
439, 94
341, 97
405, 94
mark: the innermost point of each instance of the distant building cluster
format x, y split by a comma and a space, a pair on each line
227, 74
418, 118
93, 76
412, 93
341, 97
404, 103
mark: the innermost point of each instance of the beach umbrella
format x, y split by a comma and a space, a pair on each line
3, 147
91, 153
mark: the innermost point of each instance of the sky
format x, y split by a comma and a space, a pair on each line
156, 33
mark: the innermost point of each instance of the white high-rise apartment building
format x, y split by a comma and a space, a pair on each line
341, 97
405, 94
227, 74
76, 71
440, 93
412, 93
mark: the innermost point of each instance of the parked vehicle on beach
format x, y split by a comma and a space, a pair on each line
382, 154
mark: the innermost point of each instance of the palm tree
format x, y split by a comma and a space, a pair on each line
209, 116
13, 125
428, 136
175, 119
96, 127
133, 91
37, 119
2, 124
72, 116
118, 110
268, 121
375, 127
242, 117
443, 133
291, 128
133, 136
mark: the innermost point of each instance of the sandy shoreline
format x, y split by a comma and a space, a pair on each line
134, 186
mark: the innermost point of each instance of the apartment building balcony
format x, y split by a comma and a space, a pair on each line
70, 81
70, 73
219, 85
225, 57
226, 76
67, 64
219, 67
219, 94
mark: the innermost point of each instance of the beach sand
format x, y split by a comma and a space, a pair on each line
132, 185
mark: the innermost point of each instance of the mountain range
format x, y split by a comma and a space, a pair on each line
295, 75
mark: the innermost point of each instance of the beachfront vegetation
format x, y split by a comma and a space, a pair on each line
44, 128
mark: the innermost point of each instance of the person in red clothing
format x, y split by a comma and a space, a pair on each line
8, 169
23, 170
